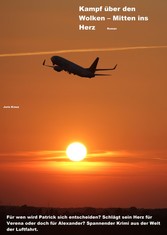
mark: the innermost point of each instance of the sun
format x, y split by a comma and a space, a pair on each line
76, 151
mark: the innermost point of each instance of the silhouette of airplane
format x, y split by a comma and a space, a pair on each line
60, 64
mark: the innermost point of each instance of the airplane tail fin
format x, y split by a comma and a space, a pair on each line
92, 68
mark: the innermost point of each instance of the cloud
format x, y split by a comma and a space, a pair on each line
33, 156
81, 50
94, 157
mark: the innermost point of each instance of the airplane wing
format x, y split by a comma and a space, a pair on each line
47, 65
107, 69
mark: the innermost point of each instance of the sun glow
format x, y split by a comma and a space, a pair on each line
76, 151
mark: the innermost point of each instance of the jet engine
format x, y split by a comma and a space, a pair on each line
57, 68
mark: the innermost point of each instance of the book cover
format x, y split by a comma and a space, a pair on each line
83, 107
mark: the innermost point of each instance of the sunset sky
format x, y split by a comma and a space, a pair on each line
121, 119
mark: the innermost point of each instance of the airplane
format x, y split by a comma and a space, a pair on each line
60, 64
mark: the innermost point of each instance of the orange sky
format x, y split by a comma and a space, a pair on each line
124, 112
